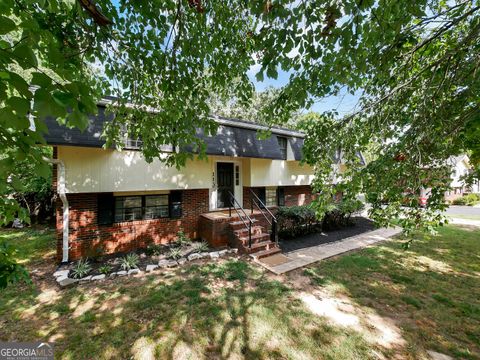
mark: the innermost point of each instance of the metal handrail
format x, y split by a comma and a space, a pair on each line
249, 226
256, 200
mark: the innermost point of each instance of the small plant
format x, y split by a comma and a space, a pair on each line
175, 253
183, 239
81, 269
201, 246
154, 249
129, 261
105, 269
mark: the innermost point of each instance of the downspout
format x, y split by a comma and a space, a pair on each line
63, 196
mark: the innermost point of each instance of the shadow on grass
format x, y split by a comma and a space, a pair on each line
429, 290
220, 310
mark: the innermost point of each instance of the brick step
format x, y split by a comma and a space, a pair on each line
266, 253
244, 232
260, 246
238, 225
256, 238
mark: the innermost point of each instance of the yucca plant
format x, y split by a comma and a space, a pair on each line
81, 269
129, 261
201, 246
175, 253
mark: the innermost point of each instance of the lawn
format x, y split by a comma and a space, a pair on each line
421, 299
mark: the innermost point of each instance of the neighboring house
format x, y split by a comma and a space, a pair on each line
460, 168
117, 202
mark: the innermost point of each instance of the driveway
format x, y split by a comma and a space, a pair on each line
463, 211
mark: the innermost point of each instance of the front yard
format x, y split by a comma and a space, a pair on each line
375, 303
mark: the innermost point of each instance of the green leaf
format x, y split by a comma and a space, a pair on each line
6, 25
25, 56
41, 79
63, 98
20, 105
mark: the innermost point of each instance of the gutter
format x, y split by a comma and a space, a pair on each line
63, 196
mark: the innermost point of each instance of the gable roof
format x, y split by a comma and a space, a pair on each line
234, 137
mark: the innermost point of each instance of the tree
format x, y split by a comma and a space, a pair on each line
416, 63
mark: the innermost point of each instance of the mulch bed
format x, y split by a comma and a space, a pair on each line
360, 225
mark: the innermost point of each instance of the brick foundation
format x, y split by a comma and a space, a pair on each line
88, 239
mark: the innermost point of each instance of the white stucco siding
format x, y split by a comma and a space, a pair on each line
265, 172
99, 170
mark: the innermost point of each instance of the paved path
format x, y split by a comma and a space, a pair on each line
462, 210
464, 222
306, 256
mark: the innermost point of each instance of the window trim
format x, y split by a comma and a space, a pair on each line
143, 208
283, 149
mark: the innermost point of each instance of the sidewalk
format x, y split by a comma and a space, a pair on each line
302, 257
458, 221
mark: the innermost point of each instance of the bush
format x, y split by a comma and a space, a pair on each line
296, 220
340, 213
105, 269
129, 261
183, 240
154, 249
470, 200
175, 253
201, 247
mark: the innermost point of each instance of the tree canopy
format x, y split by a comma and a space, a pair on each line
415, 62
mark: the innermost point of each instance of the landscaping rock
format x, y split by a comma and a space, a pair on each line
98, 277
133, 271
181, 261
17, 224
61, 273
194, 256
167, 263
86, 279
113, 274
214, 255
121, 273
150, 268
234, 250
66, 281
223, 252
203, 255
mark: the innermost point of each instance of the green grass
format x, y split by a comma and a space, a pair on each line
224, 309
231, 309
432, 290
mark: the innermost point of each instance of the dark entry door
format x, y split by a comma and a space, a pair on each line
224, 184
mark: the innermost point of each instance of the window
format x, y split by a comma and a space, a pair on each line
281, 196
133, 143
282, 143
156, 206
271, 197
128, 208
237, 175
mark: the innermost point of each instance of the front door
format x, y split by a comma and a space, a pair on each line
224, 184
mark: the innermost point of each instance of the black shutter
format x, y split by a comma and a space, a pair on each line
281, 196
175, 202
106, 206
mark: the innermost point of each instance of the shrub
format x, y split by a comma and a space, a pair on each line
296, 220
81, 269
183, 240
470, 200
340, 213
105, 269
154, 249
129, 261
175, 253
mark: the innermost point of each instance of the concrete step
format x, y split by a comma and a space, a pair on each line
266, 253
260, 246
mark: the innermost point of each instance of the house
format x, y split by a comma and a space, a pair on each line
114, 201
460, 167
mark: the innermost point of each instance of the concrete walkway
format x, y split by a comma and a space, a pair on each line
302, 257
459, 221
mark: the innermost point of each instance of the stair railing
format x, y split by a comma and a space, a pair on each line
247, 221
255, 200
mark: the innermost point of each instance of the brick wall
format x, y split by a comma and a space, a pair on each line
87, 238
